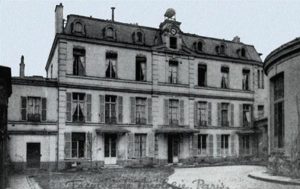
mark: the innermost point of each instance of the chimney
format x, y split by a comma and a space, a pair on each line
113, 14
59, 18
22, 67
236, 39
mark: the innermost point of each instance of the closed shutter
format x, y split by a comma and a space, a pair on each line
251, 115
149, 100
240, 145
156, 145
241, 115
211, 145
232, 145
69, 107
68, 144
131, 148
219, 145
166, 111
195, 144
195, 114
151, 144
181, 103
132, 110
232, 115
219, 114
102, 109
88, 107
44, 109
23, 108
209, 114
120, 109
89, 142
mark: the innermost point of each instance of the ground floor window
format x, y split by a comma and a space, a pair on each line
202, 144
246, 144
224, 144
140, 145
78, 145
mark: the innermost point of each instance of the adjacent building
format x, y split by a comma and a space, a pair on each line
118, 93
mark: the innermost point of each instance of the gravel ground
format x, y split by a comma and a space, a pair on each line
231, 177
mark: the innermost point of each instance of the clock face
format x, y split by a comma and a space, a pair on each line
173, 31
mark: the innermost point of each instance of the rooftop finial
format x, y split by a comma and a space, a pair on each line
170, 14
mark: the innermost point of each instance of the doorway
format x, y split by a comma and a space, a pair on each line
33, 155
110, 148
173, 148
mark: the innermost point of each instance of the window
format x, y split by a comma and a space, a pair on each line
173, 72
260, 79
261, 111
173, 42
278, 104
33, 109
139, 36
78, 62
224, 114
201, 75
141, 110
173, 112
224, 144
111, 65
140, 145
78, 104
225, 77
202, 113
78, 27
246, 144
109, 33
140, 68
110, 109
220, 49
246, 75
78, 145
202, 144
246, 115
199, 46
243, 52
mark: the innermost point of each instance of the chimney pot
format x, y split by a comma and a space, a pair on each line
22, 67
236, 39
113, 13
59, 20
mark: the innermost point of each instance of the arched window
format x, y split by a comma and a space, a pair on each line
222, 49
199, 46
139, 37
78, 27
109, 33
243, 52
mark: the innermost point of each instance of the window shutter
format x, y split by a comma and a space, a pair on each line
181, 103
211, 145
195, 144
149, 110
240, 145
195, 114
44, 109
120, 109
151, 144
131, 148
132, 110
89, 107
232, 145
23, 108
232, 115
241, 115
219, 114
102, 109
89, 145
68, 146
209, 113
69, 107
251, 115
219, 145
156, 145
166, 111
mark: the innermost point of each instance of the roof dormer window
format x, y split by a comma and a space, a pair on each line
220, 49
77, 27
241, 52
109, 33
138, 37
173, 42
198, 45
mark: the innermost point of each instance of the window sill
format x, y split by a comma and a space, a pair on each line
223, 89
173, 84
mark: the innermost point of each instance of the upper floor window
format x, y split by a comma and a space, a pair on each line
110, 109
141, 111
33, 109
78, 27
111, 65
140, 68
245, 80
260, 79
198, 46
202, 114
173, 71
243, 52
224, 77
78, 61
173, 42
173, 112
225, 114
246, 115
261, 111
79, 107
109, 32
202, 75
220, 49
202, 144
140, 145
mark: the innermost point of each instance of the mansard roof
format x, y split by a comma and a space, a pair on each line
94, 28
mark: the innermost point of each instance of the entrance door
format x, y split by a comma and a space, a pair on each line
173, 148
33, 155
110, 148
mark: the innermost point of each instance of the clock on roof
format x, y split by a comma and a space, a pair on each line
173, 31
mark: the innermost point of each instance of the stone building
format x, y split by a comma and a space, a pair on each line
282, 67
119, 93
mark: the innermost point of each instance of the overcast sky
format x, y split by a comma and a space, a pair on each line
27, 27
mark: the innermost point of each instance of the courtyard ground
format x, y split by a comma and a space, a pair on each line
231, 177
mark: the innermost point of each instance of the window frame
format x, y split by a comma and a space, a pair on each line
202, 147
202, 67
173, 110
173, 42
173, 72
110, 104
79, 58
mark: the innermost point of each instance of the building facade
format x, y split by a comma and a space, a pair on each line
125, 94
283, 68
